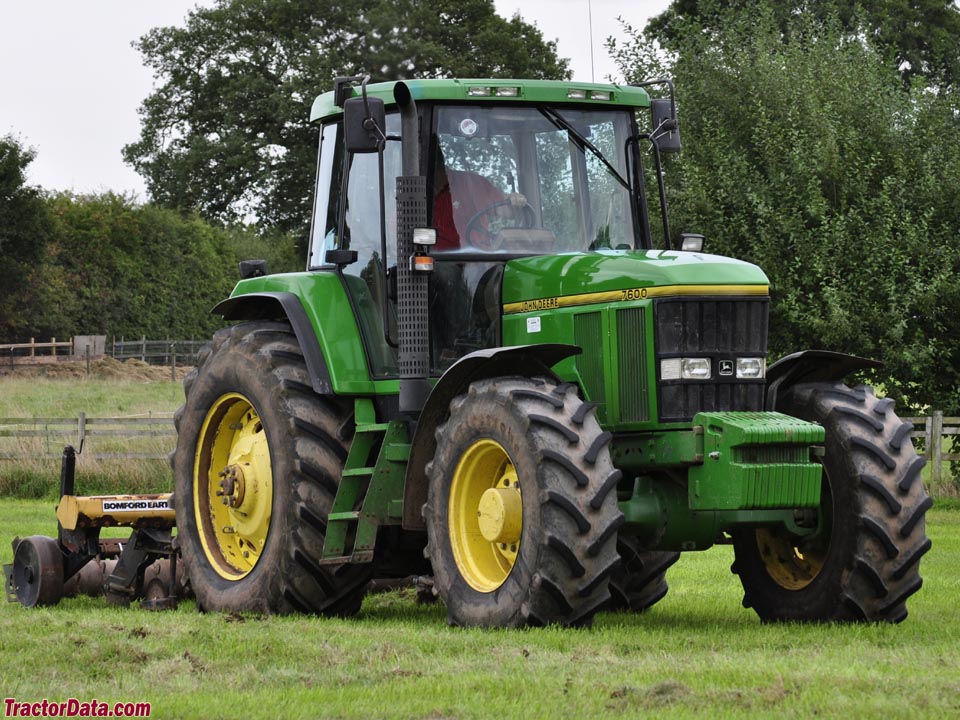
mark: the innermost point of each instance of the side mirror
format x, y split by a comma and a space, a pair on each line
666, 129
364, 120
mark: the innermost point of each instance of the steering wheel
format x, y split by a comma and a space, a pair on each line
481, 237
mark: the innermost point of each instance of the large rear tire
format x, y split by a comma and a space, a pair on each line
258, 461
863, 562
522, 511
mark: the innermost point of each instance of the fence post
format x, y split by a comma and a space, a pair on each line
88, 359
32, 348
53, 346
143, 348
81, 430
936, 449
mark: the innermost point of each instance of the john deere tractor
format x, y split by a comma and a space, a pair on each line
497, 372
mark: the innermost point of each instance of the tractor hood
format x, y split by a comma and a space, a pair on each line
548, 281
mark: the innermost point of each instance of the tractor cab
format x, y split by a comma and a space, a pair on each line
512, 171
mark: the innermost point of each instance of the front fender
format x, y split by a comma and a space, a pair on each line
811, 366
526, 360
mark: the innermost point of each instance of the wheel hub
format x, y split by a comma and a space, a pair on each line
501, 515
233, 486
485, 515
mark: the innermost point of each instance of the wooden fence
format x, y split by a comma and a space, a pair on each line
35, 352
21, 438
932, 429
156, 352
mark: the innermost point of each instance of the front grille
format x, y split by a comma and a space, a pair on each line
632, 365
588, 334
721, 330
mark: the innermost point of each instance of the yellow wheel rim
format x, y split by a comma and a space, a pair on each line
233, 486
485, 515
789, 566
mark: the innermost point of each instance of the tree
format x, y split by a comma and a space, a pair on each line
24, 228
805, 153
226, 131
919, 35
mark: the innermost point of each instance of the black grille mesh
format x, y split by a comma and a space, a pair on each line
721, 329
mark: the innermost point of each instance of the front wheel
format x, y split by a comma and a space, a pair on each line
862, 563
522, 511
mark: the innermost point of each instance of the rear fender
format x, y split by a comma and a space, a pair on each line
523, 360
283, 306
811, 366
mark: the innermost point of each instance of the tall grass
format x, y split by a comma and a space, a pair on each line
35, 470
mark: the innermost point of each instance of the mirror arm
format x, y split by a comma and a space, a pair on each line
660, 187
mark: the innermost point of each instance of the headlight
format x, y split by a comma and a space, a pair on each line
685, 369
695, 368
750, 368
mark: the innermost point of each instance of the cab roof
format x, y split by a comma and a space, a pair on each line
495, 90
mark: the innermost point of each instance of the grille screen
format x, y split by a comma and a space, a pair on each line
632, 364
721, 330
588, 334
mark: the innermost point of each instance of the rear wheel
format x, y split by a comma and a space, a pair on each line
641, 579
257, 465
522, 513
863, 561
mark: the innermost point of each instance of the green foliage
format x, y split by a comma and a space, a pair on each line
919, 36
226, 131
113, 267
24, 226
805, 153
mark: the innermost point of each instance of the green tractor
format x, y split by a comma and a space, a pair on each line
490, 376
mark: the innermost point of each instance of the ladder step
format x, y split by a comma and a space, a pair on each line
358, 557
358, 472
372, 428
341, 516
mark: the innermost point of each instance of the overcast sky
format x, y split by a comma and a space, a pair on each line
71, 83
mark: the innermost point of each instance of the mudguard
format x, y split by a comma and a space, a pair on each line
811, 366
283, 306
525, 360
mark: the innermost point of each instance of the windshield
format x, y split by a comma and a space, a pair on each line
531, 180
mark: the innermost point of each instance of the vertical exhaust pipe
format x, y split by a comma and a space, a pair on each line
412, 305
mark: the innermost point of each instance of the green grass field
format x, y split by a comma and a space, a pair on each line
698, 653
695, 654
126, 391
